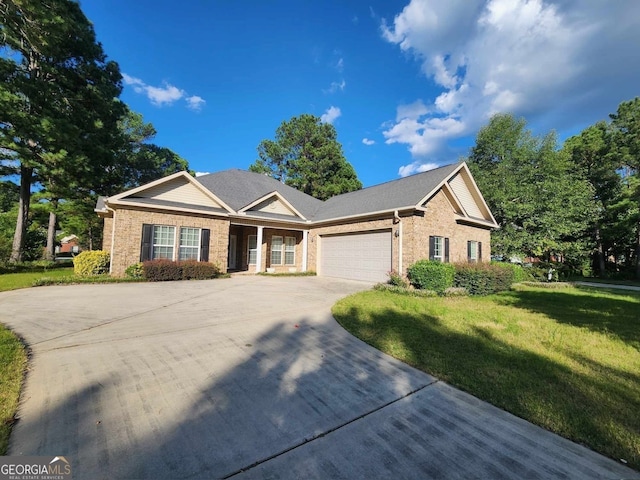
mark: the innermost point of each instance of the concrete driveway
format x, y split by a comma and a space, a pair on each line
251, 378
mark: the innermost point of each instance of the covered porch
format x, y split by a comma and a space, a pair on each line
267, 248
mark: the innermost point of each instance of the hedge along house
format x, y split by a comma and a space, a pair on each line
244, 221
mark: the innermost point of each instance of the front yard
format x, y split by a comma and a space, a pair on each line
567, 360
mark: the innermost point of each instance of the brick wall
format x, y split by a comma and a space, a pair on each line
439, 220
128, 235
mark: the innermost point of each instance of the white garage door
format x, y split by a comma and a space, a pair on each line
361, 256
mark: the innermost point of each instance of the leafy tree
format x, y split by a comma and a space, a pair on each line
591, 154
58, 100
307, 155
625, 124
541, 205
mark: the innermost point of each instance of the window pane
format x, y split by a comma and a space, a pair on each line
473, 247
189, 244
276, 250
253, 249
290, 251
163, 238
438, 249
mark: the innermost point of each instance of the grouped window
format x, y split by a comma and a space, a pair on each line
160, 242
283, 248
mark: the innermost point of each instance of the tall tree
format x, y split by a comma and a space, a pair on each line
591, 154
58, 98
306, 155
625, 124
540, 205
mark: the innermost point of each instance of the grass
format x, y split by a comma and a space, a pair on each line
12, 281
13, 359
565, 359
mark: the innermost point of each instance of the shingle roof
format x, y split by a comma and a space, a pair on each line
403, 192
238, 188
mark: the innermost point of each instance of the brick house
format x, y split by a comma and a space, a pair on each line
244, 221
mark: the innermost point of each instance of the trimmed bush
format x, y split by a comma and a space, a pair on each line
430, 275
91, 263
135, 271
166, 270
193, 270
161, 270
483, 278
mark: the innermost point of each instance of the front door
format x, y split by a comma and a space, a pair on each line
233, 250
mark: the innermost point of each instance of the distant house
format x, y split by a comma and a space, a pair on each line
245, 221
69, 246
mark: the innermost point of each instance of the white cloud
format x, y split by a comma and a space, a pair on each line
340, 64
367, 141
416, 167
335, 86
554, 60
195, 103
167, 94
330, 115
199, 174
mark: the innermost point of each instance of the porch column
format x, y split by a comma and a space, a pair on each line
305, 239
259, 250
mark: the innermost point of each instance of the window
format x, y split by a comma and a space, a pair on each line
439, 249
290, 250
189, 244
474, 251
164, 238
158, 241
253, 249
276, 250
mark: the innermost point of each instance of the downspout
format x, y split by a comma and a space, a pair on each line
398, 220
113, 237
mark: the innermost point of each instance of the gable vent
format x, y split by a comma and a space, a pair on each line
462, 191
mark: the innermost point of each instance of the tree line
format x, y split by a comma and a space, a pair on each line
65, 136
577, 203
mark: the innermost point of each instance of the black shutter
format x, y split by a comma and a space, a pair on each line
469, 251
479, 251
145, 247
446, 250
432, 247
205, 233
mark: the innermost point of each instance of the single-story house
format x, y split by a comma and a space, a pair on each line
245, 221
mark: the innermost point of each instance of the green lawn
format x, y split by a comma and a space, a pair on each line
13, 359
568, 360
12, 281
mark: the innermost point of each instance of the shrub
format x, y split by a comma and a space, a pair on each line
397, 279
135, 271
456, 292
430, 275
161, 270
165, 270
194, 270
90, 263
404, 291
520, 274
483, 278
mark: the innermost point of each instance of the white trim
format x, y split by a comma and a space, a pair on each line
476, 221
170, 208
365, 215
267, 197
259, 249
305, 248
400, 239
113, 239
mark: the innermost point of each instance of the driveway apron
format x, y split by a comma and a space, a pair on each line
251, 377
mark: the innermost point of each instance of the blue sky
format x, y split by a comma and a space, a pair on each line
407, 84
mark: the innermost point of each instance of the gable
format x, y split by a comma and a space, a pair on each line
177, 190
272, 205
468, 196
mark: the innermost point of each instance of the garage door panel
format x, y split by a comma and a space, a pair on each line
361, 256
